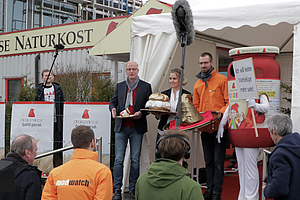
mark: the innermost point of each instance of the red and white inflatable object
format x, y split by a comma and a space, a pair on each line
267, 73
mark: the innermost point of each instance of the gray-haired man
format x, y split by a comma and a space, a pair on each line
284, 161
27, 178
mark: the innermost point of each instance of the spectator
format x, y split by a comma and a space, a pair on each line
27, 178
82, 177
167, 176
284, 161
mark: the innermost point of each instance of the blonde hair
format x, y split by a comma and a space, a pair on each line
177, 71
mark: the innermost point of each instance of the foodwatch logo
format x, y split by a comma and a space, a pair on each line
73, 182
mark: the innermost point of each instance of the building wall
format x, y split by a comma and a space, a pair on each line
15, 67
19, 49
24, 65
25, 14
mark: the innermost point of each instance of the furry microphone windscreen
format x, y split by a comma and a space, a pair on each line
187, 22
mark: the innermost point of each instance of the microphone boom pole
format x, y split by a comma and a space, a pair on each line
57, 47
178, 115
183, 23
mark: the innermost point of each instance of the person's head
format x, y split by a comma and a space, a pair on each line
45, 73
25, 146
83, 137
206, 62
174, 148
279, 126
174, 78
132, 70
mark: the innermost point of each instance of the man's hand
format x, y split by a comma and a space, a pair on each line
157, 115
263, 187
114, 113
219, 114
137, 115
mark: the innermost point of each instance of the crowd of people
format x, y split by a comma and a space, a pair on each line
167, 177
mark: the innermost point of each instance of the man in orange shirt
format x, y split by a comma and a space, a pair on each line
82, 177
211, 93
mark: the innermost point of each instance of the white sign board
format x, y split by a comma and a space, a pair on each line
34, 119
95, 115
245, 79
2, 130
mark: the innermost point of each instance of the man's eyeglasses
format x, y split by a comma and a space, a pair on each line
204, 63
131, 69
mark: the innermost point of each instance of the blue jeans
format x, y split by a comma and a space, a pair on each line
121, 140
214, 155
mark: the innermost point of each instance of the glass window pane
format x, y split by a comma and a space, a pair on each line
14, 89
16, 15
1, 24
37, 14
1, 7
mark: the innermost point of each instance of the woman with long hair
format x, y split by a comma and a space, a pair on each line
173, 94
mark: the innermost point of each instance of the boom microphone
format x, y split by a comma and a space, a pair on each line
59, 46
182, 17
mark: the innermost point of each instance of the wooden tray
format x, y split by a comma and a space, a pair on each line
157, 111
120, 117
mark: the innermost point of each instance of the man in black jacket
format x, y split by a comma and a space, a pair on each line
131, 94
25, 178
52, 91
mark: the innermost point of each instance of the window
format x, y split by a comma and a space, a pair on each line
16, 15
13, 88
1, 16
102, 75
55, 12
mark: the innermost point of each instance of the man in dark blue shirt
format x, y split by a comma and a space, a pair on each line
284, 161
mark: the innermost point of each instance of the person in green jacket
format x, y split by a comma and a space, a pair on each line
167, 176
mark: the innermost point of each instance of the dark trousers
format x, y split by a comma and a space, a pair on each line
57, 144
214, 155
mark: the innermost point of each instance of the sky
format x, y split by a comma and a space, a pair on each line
204, 4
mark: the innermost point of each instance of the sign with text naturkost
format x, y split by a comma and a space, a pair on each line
245, 79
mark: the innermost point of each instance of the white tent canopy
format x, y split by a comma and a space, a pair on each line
153, 38
273, 23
